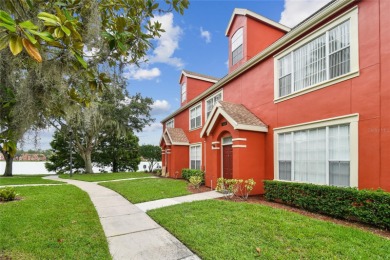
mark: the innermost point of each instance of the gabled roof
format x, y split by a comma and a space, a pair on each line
194, 75
245, 12
174, 136
237, 115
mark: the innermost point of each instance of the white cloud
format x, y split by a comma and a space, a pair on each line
295, 11
134, 72
156, 126
205, 34
160, 106
168, 42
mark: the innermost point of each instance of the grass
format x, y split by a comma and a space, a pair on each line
106, 176
51, 222
142, 190
229, 230
33, 179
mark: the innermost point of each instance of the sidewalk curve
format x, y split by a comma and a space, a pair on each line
131, 234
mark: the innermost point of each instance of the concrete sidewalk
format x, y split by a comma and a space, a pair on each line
131, 234
145, 206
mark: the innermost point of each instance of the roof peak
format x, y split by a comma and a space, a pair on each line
246, 12
195, 75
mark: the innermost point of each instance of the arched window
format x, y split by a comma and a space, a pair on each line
237, 41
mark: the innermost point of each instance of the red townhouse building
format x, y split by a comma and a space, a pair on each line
304, 104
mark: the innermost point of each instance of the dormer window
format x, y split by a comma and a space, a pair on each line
237, 50
183, 92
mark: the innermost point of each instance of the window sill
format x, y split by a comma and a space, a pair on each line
322, 184
197, 128
318, 86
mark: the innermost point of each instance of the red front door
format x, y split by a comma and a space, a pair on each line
227, 162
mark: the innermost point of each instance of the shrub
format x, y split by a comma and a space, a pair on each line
187, 173
7, 194
235, 187
196, 181
366, 206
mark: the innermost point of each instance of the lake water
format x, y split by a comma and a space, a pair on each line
20, 168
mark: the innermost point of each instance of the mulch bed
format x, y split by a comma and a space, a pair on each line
259, 199
201, 189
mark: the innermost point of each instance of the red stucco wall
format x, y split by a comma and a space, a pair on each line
367, 94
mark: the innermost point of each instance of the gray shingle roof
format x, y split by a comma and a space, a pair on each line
241, 114
177, 135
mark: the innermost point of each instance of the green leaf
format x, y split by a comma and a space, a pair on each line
6, 18
30, 37
65, 30
44, 35
81, 60
51, 18
11, 28
15, 45
28, 25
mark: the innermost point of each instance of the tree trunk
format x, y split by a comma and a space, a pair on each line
114, 166
8, 164
88, 162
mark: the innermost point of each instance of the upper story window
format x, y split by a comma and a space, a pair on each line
324, 57
183, 92
170, 123
237, 49
196, 116
210, 102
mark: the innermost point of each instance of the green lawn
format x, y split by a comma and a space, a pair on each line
106, 176
51, 222
228, 230
33, 179
137, 191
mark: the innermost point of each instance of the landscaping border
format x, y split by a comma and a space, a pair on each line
366, 206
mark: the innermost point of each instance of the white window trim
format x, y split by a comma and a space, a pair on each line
211, 97
189, 116
189, 155
168, 122
352, 120
181, 92
351, 15
242, 44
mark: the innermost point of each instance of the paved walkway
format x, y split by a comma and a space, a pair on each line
130, 232
177, 200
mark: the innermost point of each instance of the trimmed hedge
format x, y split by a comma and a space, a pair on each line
366, 206
187, 173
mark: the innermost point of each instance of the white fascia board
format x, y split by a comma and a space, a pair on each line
180, 143
188, 75
209, 119
252, 128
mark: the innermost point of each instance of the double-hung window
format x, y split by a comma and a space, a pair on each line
183, 92
237, 49
210, 103
170, 123
320, 155
328, 54
196, 117
195, 156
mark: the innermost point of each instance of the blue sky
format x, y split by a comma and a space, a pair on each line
196, 42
